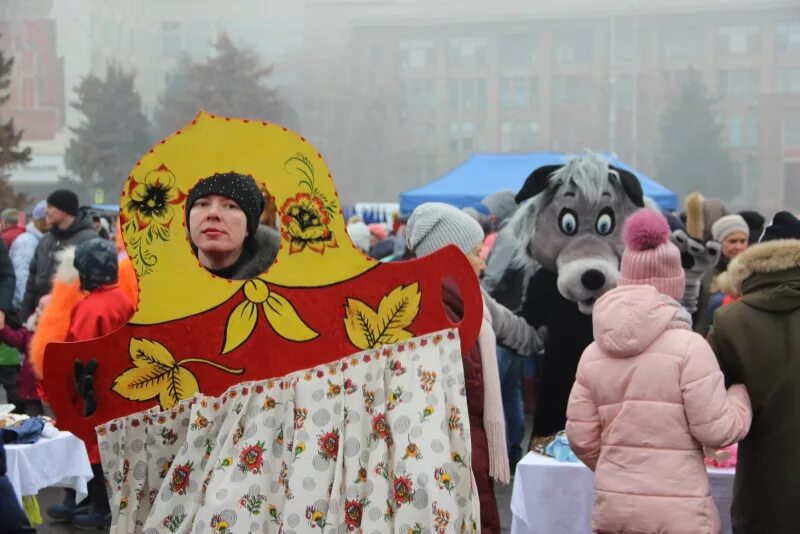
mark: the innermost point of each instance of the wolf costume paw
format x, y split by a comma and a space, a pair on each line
698, 259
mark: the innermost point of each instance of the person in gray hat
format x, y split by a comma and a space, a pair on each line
431, 227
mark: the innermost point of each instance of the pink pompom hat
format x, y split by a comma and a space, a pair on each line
649, 257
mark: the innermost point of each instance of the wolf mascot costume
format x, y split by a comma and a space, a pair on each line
570, 223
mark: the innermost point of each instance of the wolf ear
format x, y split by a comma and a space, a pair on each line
631, 186
536, 182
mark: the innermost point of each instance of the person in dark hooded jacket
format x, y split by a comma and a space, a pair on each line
69, 226
757, 343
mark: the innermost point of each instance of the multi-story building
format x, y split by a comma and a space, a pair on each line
36, 90
517, 76
151, 36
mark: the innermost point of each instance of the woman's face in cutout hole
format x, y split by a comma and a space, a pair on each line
218, 228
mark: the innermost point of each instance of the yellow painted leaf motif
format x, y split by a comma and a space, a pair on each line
368, 329
283, 318
156, 373
181, 385
240, 325
361, 324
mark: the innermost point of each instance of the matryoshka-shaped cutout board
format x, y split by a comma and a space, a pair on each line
321, 300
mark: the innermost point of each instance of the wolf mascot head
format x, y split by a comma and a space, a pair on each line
570, 222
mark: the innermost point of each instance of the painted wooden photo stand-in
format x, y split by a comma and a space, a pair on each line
322, 299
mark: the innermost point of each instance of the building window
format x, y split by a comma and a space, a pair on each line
572, 46
463, 137
419, 94
738, 83
572, 88
416, 53
743, 39
516, 49
787, 80
171, 38
518, 136
467, 94
518, 93
788, 37
467, 52
624, 42
790, 131
675, 80
680, 42
741, 130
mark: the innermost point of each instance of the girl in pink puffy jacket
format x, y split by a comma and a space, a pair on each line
649, 395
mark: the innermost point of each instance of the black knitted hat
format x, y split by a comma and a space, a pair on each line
238, 187
784, 226
65, 200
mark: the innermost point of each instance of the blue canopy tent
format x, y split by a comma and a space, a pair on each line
483, 174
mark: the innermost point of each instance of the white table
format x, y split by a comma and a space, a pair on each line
551, 496
61, 461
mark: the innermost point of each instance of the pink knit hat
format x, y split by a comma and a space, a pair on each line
650, 258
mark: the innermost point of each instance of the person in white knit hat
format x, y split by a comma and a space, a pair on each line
431, 227
733, 233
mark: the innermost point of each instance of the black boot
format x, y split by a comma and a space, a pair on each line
68, 508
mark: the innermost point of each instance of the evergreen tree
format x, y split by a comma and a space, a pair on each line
114, 134
11, 155
231, 82
691, 156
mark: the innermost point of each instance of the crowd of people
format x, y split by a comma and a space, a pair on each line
663, 383
660, 382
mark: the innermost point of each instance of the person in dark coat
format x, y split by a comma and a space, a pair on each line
69, 226
757, 343
12, 517
9, 357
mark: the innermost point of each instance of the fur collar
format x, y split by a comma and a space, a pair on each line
772, 256
66, 271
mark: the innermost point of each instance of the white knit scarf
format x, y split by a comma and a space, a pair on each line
493, 418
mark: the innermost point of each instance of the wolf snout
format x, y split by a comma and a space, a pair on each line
593, 279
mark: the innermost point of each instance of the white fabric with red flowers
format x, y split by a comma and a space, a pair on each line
375, 442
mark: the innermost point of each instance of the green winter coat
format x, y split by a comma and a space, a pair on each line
757, 342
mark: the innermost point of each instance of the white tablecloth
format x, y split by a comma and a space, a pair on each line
551, 496
60, 461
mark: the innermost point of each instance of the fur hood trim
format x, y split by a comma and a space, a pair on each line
769, 257
66, 271
695, 222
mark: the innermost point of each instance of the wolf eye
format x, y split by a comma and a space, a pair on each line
568, 222
605, 222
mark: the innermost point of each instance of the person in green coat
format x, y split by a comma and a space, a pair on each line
757, 342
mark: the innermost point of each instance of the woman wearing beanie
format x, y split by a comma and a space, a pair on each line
649, 395
431, 227
733, 233
222, 218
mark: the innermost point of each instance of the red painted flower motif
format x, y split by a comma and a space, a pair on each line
181, 476
305, 224
113, 427
251, 458
380, 428
329, 445
259, 389
403, 490
353, 512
